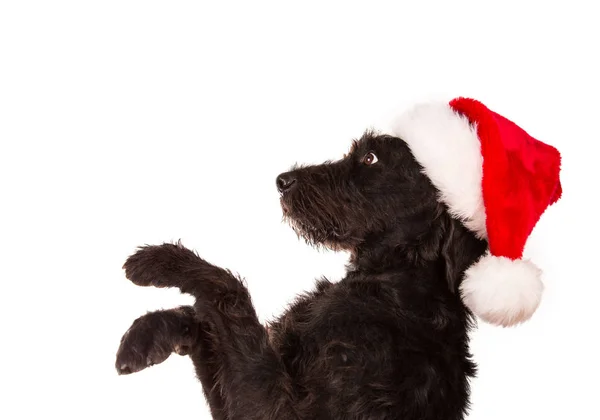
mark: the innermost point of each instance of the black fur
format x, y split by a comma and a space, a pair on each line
388, 341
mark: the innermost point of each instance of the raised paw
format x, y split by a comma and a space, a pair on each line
160, 265
153, 337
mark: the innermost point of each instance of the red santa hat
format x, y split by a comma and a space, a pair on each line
496, 179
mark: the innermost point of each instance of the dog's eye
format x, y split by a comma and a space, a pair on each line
370, 159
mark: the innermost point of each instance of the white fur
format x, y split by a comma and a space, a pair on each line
447, 146
502, 291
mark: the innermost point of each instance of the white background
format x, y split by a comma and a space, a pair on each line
124, 123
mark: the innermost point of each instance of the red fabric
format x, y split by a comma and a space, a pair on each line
520, 177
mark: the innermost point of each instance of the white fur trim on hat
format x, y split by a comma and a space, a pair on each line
448, 148
502, 291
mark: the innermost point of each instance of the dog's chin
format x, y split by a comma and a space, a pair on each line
314, 236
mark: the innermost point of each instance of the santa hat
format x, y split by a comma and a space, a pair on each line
496, 179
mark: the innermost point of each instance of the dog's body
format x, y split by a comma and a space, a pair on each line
389, 341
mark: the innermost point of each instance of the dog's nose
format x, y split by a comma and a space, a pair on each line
285, 181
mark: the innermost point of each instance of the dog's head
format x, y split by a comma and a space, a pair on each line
377, 185
377, 193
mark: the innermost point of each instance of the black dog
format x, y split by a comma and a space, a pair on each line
389, 341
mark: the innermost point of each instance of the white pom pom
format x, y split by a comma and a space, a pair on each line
502, 291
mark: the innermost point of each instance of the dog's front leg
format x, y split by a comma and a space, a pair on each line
154, 336
251, 376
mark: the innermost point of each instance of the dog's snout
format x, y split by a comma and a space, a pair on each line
285, 181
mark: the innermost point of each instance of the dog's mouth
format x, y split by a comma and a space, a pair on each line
284, 206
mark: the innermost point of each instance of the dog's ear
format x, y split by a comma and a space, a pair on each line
459, 249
